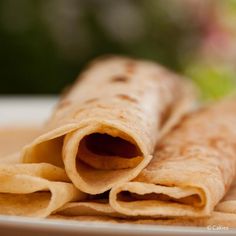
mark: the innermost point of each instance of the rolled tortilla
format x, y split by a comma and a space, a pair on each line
223, 216
104, 130
191, 171
100, 207
34, 189
104, 213
101, 211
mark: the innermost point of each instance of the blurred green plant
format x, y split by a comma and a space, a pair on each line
214, 81
45, 44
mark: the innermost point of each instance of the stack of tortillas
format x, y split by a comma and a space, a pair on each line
125, 144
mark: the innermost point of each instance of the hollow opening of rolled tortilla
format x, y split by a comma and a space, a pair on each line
99, 198
191, 200
106, 145
103, 151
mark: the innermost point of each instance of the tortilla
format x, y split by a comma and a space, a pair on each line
104, 130
222, 218
34, 189
193, 167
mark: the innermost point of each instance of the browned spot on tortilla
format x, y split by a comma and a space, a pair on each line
121, 117
119, 78
214, 142
91, 100
130, 67
127, 97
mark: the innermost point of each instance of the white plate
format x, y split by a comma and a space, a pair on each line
24, 110
34, 110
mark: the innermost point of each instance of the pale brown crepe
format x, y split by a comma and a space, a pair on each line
99, 211
223, 216
104, 130
100, 207
34, 189
102, 212
107, 214
192, 169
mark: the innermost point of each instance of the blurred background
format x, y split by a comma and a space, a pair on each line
45, 44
